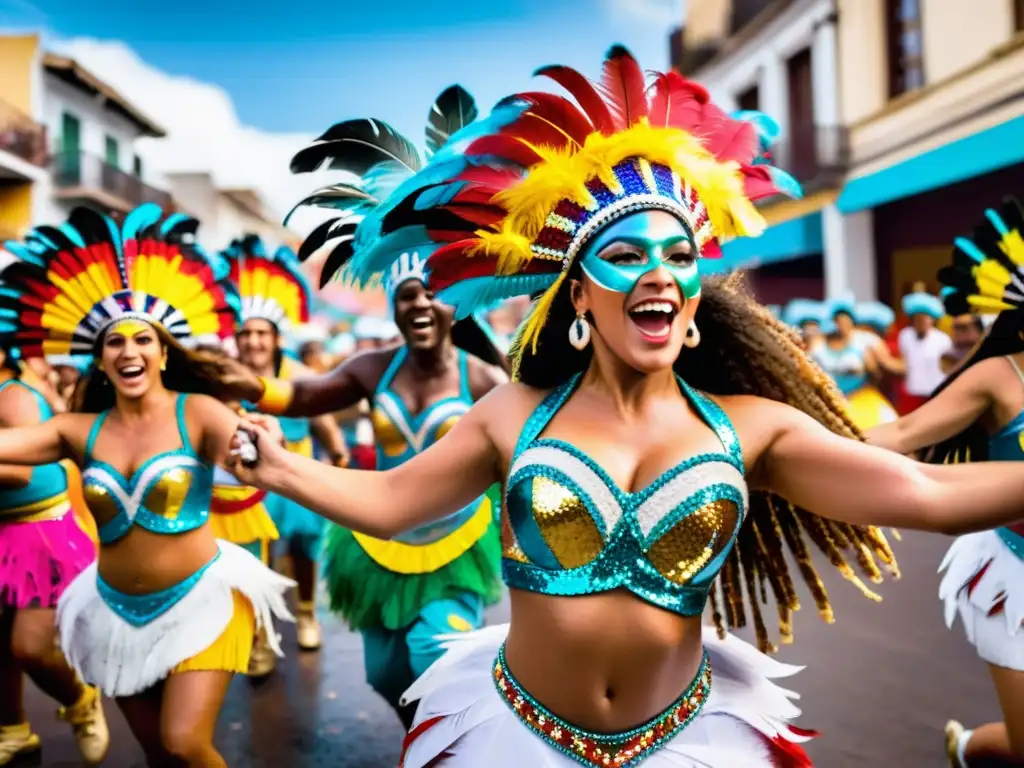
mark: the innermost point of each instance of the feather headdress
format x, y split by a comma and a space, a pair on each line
531, 184
987, 274
69, 284
272, 286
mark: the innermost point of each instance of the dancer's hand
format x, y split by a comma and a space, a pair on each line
272, 458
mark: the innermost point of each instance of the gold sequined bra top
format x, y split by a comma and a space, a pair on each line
168, 494
575, 532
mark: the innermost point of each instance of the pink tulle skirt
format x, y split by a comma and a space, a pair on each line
38, 560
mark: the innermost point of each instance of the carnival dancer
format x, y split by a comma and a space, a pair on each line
850, 357
42, 549
629, 445
922, 347
807, 317
275, 299
167, 613
978, 415
404, 593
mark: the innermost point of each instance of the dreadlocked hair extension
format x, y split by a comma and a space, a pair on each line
744, 350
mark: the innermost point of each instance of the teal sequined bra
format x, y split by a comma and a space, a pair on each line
575, 532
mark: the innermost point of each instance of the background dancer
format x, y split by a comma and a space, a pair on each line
435, 580
42, 549
978, 414
167, 613
922, 347
275, 299
851, 358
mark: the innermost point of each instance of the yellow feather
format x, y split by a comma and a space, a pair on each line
539, 314
1012, 245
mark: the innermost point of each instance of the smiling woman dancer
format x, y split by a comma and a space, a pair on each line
978, 414
167, 614
662, 433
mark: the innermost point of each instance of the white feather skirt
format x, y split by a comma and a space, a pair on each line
123, 659
745, 721
997, 636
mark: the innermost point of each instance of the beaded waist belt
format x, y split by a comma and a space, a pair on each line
1013, 540
621, 750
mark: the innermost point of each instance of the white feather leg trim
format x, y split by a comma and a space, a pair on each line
123, 660
998, 638
743, 714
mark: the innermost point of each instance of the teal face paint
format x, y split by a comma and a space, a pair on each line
656, 240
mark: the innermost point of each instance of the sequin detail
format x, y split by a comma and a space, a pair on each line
1014, 541
140, 610
622, 750
575, 532
565, 524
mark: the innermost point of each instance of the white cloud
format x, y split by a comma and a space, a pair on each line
204, 132
668, 13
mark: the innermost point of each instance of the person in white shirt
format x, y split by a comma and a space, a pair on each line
922, 347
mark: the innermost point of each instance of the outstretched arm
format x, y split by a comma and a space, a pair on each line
310, 395
846, 480
947, 414
447, 476
39, 444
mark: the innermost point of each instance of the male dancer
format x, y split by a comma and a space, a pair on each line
403, 594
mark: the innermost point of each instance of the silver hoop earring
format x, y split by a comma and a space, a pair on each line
579, 332
692, 335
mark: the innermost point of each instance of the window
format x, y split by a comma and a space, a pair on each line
801, 159
906, 46
748, 99
1018, 15
137, 166
69, 151
111, 153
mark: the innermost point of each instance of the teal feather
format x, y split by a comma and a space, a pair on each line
171, 222
441, 195
967, 246
786, 183
23, 254
997, 223
143, 217
72, 234
478, 294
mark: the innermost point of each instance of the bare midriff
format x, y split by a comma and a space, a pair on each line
605, 662
144, 562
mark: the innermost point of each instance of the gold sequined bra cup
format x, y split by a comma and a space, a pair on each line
575, 532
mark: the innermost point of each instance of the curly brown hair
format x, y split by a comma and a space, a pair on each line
191, 371
745, 350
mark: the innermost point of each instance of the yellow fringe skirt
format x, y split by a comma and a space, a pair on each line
239, 515
231, 651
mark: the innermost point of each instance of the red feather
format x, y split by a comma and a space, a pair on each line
450, 264
622, 83
676, 101
506, 147
480, 215
758, 183
586, 95
712, 249
558, 111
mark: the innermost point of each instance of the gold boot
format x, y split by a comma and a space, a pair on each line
262, 660
954, 731
17, 740
307, 628
87, 720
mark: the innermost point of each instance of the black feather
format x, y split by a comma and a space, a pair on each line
356, 146
337, 259
316, 239
453, 110
339, 197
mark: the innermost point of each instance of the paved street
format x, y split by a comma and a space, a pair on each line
879, 684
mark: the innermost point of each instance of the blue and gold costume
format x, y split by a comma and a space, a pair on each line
76, 283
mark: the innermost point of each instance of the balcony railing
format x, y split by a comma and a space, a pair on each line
81, 175
21, 135
817, 156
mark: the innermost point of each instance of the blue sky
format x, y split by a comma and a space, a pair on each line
299, 66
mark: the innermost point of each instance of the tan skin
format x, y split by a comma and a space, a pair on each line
257, 345
174, 721
628, 659
28, 635
989, 392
